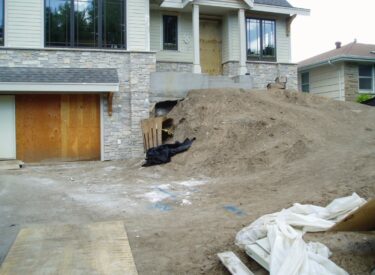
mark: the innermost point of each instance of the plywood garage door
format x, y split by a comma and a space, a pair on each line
58, 127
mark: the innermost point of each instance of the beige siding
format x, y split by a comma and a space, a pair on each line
325, 81
138, 24
185, 37
283, 43
24, 23
234, 38
225, 49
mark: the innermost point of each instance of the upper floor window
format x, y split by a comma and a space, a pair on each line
170, 32
305, 82
366, 78
1, 22
261, 39
85, 23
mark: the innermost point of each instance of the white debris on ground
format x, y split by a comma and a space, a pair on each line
289, 254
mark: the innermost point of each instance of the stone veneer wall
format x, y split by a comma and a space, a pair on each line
130, 105
265, 73
177, 67
351, 81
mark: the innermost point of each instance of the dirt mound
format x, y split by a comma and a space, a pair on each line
242, 131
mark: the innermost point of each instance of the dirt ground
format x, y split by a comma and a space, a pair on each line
255, 154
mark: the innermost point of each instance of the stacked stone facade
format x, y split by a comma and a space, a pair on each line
264, 73
121, 135
177, 67
351, 81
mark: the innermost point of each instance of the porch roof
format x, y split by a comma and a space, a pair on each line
32, 79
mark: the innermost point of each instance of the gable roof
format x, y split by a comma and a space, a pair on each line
280, 3
351, 52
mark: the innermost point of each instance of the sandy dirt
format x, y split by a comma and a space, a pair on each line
255, 153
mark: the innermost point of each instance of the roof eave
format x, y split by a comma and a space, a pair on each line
281, 10
336, 60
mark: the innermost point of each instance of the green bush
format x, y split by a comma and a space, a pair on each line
364, 97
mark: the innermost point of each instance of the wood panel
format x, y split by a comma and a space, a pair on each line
211, 46
58, 127
98, 248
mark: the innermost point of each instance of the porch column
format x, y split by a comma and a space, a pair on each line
197, 59
242, 28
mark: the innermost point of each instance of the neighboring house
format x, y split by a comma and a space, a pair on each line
343, 73
78, 76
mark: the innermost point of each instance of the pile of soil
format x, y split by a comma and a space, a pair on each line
241, 132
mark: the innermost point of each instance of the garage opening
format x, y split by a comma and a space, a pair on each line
58, 127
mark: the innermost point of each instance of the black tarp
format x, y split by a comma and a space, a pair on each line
369, 102
163, 153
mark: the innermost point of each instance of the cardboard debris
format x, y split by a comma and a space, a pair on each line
360, 220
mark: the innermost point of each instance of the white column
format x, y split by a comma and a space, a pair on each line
197, 58
242, 28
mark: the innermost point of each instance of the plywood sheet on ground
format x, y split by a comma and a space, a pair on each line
99, 248
58, 127
360, 220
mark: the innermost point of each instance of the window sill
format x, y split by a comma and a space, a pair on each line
370, 92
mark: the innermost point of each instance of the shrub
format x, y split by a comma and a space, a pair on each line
363, 97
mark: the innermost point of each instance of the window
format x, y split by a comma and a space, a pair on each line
1, 22
305, 82
170, 32
261, 39
366, 78
85, 23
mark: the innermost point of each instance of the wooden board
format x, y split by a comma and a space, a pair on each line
259, 254
152, 132
234, 265
58, 127
363, 219
99, 248
211, 46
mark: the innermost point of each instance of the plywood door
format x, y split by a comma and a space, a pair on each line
211, 46
58, 127
7, 127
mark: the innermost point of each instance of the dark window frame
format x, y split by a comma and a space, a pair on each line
174, 47
2, 34
305, 86
261, 57
71, 43
372, 77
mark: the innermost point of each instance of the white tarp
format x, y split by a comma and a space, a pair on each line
289, 252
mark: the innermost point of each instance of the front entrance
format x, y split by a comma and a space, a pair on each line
7, 127
58, 127
211, 46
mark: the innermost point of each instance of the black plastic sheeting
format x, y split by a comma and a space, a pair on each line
163, 153
370, 102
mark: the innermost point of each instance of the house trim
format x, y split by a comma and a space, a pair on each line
19, 87
337, 59
281, 10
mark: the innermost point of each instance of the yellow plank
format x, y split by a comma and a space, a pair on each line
98, 248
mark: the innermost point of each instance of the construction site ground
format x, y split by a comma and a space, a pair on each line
281, 148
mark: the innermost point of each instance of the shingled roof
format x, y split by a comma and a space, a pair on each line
352, 51
58, 75
280, 3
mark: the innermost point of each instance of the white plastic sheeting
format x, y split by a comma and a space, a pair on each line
290, 254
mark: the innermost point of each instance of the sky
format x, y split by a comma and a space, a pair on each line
331, 21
